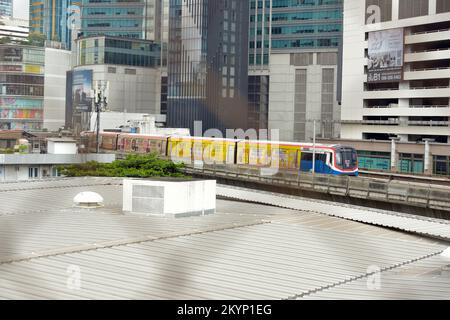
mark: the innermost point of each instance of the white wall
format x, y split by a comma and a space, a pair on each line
61, 147
21, 9
21, 172
57, 63
282, 96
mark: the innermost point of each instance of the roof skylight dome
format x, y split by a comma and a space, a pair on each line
88, 199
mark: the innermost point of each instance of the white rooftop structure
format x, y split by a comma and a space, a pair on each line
61, 146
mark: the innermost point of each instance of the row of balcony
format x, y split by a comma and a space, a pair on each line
398, 122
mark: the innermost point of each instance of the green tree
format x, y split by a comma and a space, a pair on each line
5, 40
36, 39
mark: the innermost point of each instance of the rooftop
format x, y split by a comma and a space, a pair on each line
244, 251
62, 140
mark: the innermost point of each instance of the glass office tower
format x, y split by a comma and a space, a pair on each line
50, 17
139, 19
293, 57
207, 64
293, 26
6, 8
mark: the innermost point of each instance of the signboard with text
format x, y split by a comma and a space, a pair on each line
385, 56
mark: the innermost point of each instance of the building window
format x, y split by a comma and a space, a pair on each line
413, 8
385, 10
33, 172
300, 105
55, 172
441, 165
411, 163
373, 160
301, 59
112, 70
130, 71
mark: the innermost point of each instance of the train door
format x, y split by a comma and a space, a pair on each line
146, 145
197, 151
242, 153
230, 153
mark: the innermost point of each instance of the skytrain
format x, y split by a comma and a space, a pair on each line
329, 158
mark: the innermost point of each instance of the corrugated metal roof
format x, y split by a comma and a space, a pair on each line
410, 223
272, 261
245, 251
426, 279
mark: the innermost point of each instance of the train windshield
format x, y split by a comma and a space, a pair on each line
346, 158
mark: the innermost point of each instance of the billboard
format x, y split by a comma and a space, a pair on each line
81, 91
385, 60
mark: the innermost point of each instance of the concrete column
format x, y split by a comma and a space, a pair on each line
395, 9
431, 7
394, 154
427, 164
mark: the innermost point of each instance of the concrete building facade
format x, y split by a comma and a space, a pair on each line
20, 167
416, 105
32, 83
15, 29
293, 67
303, 89
126, 71
22, 87
57, 63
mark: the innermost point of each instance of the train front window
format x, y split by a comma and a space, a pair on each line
346, 158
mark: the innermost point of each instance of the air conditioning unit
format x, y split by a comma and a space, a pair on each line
169, 197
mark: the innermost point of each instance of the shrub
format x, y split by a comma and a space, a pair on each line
137, 166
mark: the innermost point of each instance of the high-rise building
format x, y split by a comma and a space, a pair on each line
129, 70
396, 70
292, 26
6, 8
207, 64
37, 16
51, 18
139, 19
293, 67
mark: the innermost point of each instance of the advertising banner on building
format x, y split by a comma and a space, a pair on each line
19, 103
385, 61
81, 91
30, 68
11, 68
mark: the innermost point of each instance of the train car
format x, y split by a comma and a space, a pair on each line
108, 140
202, 149
88, 141
142, 143
283, 155
329, 159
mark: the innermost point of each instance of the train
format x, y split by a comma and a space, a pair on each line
330, 159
